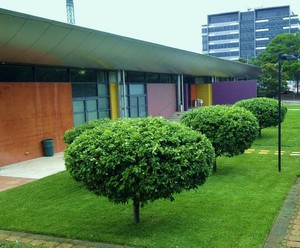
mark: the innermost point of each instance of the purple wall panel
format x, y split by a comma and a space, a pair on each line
161, 99
186, 96
231, 92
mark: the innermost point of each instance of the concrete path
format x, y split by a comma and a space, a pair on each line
27, 171
35, 168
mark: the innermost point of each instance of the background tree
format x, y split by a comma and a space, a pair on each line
268, 62
140, 159
265, 110
230, 129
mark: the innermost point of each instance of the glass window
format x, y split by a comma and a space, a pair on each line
133, 101
164, 78
272, 12
137, 89
91, 105
152, 77
113, 77
51, 74
91, 116
135, 77
79, 118
84, 90
174, 78
103, 90
103, 103
142, 101
142, 112
16, 73
78, 106
228, 17
82, 75
134, 112
102, 76
103, 114
91, 100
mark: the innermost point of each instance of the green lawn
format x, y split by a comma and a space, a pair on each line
235, 208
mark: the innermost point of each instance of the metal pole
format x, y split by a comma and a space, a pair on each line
178, 93
124, 94
279, 113
182, 94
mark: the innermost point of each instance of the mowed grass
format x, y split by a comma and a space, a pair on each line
236, 207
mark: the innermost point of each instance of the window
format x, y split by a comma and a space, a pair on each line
51, 74
82, 75
137, 100
16, 73
228, 17
152, 78
90, 101
272, 12
84, 89
135, 77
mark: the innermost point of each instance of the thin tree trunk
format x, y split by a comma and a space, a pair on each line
259, 132
136, 212
215, 166
297, 93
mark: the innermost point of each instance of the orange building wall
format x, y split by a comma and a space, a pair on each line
29, 113
193, 90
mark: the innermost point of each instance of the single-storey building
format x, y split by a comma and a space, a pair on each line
55, 75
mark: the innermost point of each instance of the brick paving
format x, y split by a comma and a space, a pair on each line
285, 232
51, 241
12, 182
292, 238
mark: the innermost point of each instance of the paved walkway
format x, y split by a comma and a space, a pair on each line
50, 241
284, 234
27, 171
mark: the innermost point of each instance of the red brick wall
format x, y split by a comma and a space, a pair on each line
29, 113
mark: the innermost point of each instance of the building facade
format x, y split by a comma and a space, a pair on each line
54, 76
244, 35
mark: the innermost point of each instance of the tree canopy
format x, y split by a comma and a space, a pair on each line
230, 129
268, 62
265, 110
140, 160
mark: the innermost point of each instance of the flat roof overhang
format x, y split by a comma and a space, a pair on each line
28, 39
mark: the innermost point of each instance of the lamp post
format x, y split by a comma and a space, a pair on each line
281, 57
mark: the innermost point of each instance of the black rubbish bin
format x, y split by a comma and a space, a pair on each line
48, 147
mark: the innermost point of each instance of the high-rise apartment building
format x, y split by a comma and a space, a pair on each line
238, 34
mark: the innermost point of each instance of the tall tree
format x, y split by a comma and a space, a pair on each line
268, 62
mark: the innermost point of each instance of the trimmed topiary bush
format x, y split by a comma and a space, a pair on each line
140, 159
230, 129
71, 134
265, 110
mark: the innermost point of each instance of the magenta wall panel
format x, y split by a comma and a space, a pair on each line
162, 99
231, 92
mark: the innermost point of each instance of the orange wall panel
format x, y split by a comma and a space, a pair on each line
29, 113
193, 90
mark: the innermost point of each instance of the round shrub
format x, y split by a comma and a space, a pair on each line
230, 129
265, 110
140, 159
71, 134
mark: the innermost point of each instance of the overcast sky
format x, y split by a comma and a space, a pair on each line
174, 23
